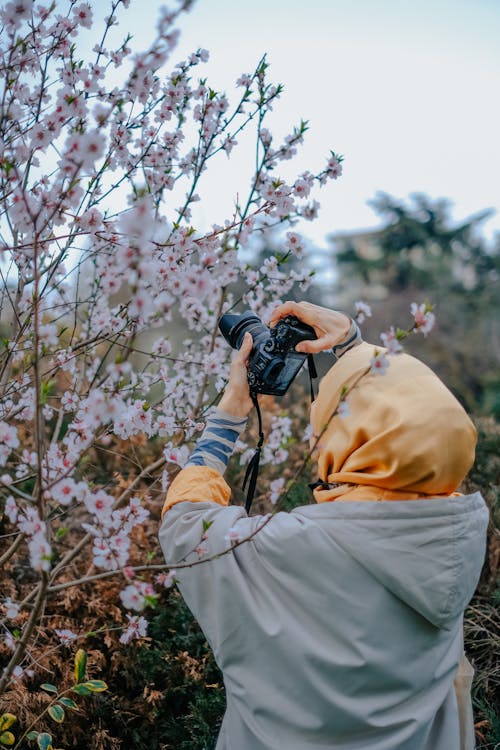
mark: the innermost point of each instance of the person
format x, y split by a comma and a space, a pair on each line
338, 624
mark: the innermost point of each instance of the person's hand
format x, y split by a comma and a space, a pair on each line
331, 327
236, 397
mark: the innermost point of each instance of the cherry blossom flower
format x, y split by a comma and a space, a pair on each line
232, 536
135, 596
334, 167
167, 580
276, 488
176, 455
11, 608
83, 14
18, 673
11, 509
66, 636
14, 12
65, 491
391, 342
294, 243
379, 363
423, 316
9, 641
137, 628
201, 549
343, 409
363, 311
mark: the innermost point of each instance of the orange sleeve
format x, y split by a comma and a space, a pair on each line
197, 484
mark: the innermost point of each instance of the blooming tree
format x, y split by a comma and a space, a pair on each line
101, 161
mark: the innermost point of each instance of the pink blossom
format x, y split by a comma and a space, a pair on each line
66, 636
391, 342
18, 673
363, 311
103, 554
134, 596
100, 504
40, 552
379, 363
83, 15
334, 167
276, 488
176, 455
343, 409
301, 188
167, 580
70, 401
244, 80
9, 641
294, 243
48, 334
11, 509
232, 536
11, 609
265, 136
228, 144
423, 316
8, 435
15, 12
65, 491
137, 628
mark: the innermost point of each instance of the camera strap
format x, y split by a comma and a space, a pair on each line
313, 374
253, 465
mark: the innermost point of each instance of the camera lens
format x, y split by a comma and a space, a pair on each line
234, 327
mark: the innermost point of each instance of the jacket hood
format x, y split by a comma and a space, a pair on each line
428, 553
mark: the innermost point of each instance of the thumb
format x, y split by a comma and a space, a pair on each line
246, 347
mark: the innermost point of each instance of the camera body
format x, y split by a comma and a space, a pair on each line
273, 361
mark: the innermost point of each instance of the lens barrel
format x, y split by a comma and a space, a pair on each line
234, 327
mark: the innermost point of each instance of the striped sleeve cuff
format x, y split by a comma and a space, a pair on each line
352, 339
215, 446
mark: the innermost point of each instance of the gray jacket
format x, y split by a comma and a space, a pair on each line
337, 625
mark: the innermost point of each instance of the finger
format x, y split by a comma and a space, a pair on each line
287, 308
315, 346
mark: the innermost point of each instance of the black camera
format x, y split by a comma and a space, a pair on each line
273, 361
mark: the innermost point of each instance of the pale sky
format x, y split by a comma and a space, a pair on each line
407, 91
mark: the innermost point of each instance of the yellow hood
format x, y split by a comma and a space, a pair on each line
406, 435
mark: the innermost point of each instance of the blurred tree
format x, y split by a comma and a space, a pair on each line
420, 253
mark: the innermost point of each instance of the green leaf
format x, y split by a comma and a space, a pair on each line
68, 703
56, 712
44, 741
32, 735
206, 525
49, 688
80, 665
95, 686
81, 689
7, 738
46, 389
6, 721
